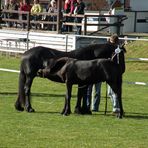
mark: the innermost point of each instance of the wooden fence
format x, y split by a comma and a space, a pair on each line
58, 22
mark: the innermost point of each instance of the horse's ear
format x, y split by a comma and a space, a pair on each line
122, 46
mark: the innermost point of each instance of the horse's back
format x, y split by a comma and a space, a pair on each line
93, 51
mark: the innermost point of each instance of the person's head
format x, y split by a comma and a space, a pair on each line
53, 3
79, 1
36, 1
7, 2
26, 2
12, 1
114, 39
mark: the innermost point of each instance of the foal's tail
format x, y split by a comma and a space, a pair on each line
19, 104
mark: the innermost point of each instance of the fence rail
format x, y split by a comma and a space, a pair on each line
53, 20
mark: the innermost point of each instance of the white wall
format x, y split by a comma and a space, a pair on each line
139, 5
129, 23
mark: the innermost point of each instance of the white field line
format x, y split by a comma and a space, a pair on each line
16, 71
9, 70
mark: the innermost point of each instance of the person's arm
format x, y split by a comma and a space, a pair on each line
32, 10
40, 8
80, 9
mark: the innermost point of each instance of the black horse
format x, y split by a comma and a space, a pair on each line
37, 58
81, 72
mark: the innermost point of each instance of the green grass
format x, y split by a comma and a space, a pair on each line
47, 128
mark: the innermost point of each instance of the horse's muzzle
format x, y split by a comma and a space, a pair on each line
40, 73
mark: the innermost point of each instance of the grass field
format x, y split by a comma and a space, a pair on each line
47, 128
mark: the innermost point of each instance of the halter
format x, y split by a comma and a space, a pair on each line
117, 51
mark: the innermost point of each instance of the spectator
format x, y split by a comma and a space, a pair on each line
4, 15
79, 9
35, 10
66, 28
27, 8
52, 9
73, 4
69, 7
12, 5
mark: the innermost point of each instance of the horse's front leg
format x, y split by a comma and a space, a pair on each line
119, 96
19, 104
27, 88
117, 88
78, 109
67, 107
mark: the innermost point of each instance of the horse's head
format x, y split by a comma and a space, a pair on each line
118, 57
53, 66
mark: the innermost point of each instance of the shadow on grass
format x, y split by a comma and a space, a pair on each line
48, 112
134, 115
37, 94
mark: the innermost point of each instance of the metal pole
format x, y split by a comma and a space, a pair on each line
66, 42
0, 13
106, 101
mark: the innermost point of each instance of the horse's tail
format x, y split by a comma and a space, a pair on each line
19, 104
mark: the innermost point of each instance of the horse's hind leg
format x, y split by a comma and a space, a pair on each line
67, 107
27, 88
21, 94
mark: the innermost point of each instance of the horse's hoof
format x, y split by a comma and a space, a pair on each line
86, 112
62, 112
18, 107
119, 116
30, 110
77, 111
66, 114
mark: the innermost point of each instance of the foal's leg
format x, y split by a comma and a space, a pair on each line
27, 88
67, 108
79, 98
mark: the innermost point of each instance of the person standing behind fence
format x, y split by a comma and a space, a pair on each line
52, 9
35, 10
12, 5
27, 8
66, 28
79, 9
72, 4
5, 7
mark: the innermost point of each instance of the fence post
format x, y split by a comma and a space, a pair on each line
66, 42
118, 26
85, 25
28, 28
59, 16
0, 15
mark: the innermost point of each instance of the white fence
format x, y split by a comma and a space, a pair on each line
14, 42
19, 42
